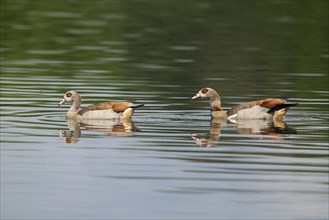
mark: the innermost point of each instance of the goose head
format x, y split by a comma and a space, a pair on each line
70, 96
206, 93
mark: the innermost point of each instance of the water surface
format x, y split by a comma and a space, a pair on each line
171, 161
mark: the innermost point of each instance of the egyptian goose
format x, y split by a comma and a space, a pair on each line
102, 110
271, 108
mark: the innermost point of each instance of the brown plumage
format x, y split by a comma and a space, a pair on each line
260, 109
115, 106
102, 110
266, 103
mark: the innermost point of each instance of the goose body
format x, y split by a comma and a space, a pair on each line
271, 108
102, 110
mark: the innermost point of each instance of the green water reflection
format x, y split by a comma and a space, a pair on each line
253, 43
161, 53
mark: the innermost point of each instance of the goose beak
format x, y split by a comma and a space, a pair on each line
196, 96
61, 102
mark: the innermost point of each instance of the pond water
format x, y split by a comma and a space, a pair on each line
171, 161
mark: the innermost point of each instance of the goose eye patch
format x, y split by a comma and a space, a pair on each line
68, 94
204, 91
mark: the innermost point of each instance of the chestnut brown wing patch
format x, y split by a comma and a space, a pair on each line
121, 106
270, 103
115, 106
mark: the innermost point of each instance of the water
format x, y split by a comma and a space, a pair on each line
171, 161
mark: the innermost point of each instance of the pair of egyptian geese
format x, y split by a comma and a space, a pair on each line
267, 109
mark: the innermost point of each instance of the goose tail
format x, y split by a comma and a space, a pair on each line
137, 106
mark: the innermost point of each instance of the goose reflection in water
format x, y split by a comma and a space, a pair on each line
121, 128
266, 129
214, 133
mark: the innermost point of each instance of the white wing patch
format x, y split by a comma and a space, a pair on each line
100, 114
232, 118
256, 112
